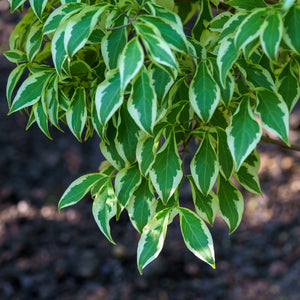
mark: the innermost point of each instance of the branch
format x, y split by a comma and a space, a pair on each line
267, 139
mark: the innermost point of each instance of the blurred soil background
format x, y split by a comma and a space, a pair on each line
46, 255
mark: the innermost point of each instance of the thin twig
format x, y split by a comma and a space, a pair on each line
266, 139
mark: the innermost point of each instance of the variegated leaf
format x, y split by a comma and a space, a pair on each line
34, 40
248, 178
50, 98
76, 115
108, 147
105, 208
251, 27
127, 181
244, 133
170, 32
58, 16
196, 236
161, 81
145, 153
16, 56
152, 239
12, 81
247, 5
231, 203
232, 24
114, 43
204, 92
131, 61
227, 55
38, 7
127, 136
108, 97
272, 34
291, 25
80, 26
41, 118
166, 177
159, 50
257, 76
59, 54
15, 4
225, 160
30, 91
273, 112
142, 104
288, 87
218, 22
141, 205
204, 166
78, 189
206, 206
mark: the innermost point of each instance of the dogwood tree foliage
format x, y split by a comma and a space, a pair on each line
151, 78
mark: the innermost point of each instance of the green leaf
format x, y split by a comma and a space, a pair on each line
206, 206
170, 32
247, 5
204, 166
15, 56
41, 118
204, 92
12, 81
196, 236
127, 181
291, 25
141, 205
30, 91
152, 239
78, 189
76, 115
271, 35
142, 104
114, 43
38, 7
58, 16
127, 136
244, 133
225, 159
273, 112
108, 96
145, 153
287, 4
166, 177
105, 208
227, 55
80, 26
131, 61
231, 203
34, 40
250, 28
288, 87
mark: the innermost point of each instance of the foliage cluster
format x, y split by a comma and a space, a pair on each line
151, 78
